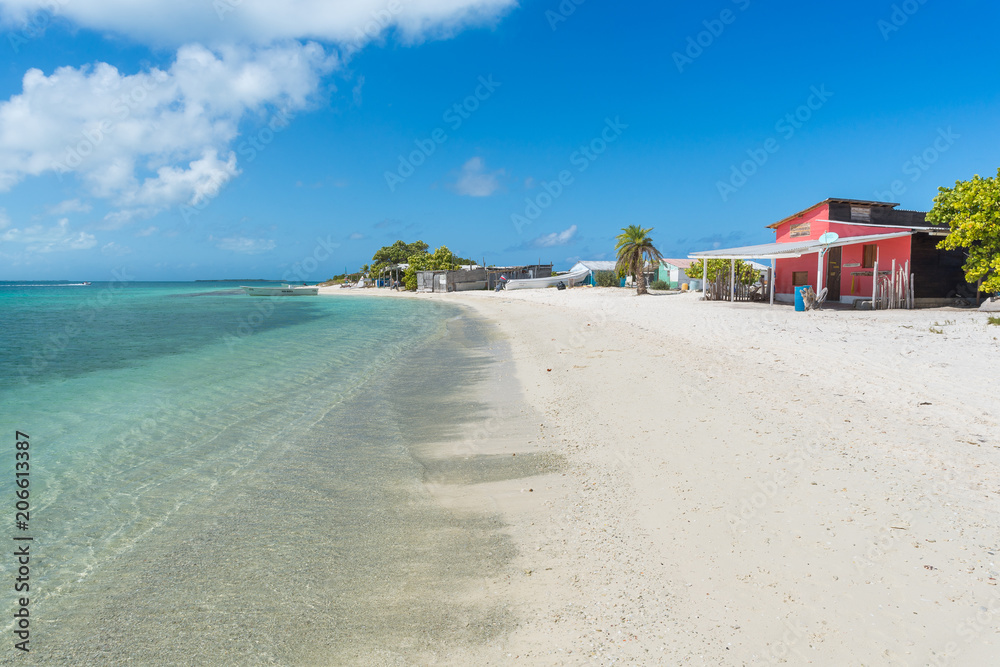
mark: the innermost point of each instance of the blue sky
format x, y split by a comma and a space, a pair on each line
243, 138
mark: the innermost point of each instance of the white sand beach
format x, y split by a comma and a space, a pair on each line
748, 484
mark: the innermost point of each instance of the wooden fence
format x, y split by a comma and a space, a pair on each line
756, 290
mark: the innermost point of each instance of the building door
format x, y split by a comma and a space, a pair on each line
833, 274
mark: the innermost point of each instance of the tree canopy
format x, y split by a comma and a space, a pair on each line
972, 211
635, 248
399, 252
745, 273
441, 260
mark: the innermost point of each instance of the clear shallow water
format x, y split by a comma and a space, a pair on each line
218, 479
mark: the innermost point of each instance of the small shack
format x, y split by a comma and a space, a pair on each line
460, 280
674, 273
596, 266
859, 251
391, 274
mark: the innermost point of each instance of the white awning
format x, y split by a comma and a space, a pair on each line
790, 249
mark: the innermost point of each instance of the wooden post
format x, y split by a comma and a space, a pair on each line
704, 278
906, 284
732, 280
819, 271
772, 274
892, 285
875, 286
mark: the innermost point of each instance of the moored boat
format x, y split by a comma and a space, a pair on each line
286, 290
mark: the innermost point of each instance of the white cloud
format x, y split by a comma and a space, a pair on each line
555, 238
152, 139
69, 206
4, 220
475, 181
175, 22
118, 219
52, 239
246, 246
148, 231
356, 236
199, 182
162, 137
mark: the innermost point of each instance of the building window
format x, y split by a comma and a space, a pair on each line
800, 278
870, 254
861, 213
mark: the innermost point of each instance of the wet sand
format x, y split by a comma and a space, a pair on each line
746, 484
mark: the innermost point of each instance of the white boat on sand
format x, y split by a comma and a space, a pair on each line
568, 279
286, 290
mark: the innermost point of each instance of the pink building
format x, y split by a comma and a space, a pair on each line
838, 243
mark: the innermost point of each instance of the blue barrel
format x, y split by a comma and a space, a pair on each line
800, 305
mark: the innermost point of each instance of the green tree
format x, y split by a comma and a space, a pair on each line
635, 248
390, 255
441, 260
399, 252
745, 273
971, 209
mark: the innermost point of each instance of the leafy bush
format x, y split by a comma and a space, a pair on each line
994, 320
441, 260
659, 284
606, 279
745, 274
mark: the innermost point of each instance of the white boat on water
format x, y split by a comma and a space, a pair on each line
286, 290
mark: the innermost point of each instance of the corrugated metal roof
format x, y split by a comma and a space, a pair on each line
763, 251
597, 265
679, 263
833, 200
792, 249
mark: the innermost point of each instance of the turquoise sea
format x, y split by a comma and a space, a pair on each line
222, 479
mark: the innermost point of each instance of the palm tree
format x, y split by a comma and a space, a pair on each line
634, 249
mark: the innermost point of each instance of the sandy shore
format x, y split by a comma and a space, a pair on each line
749, 485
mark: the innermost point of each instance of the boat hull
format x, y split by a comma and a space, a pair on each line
569, 279
281, 291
